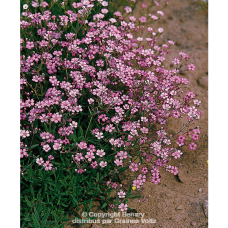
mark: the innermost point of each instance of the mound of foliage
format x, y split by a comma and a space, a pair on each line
91, 94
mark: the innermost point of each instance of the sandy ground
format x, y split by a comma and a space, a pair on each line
180, 202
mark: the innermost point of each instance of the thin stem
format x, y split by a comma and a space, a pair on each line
88, 126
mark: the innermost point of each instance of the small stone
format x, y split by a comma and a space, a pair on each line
200, 190
182, 176
205, 208
179, 207
203, 82
193, 223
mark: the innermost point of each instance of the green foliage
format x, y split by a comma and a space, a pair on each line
49, 197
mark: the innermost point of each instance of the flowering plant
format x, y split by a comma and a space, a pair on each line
95, 102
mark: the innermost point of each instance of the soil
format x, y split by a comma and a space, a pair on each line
179, 201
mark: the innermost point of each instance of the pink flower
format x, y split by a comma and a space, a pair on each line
44, 4
121, 194
29, 45
104, 11
104, 3
140, 39
47, 165
46, 147
160, 30
133, 167
144, 130
191, 67
113, 20
74, 124
122, 154
142, 19
115, 185
85, 2
39, 161
57, 146
89, 156
100, 153
74, 4
82, 145
103, 164
144, 170
80, 171
154, 17
118, 162
195, 137
181, 138
99, 135
118, 14
50, 157
176, 61
90, 101
132, 18
24, 133
122, 207
192, 146
171, 42
160, 13
35, 4
56, 118
128, 9
94, 164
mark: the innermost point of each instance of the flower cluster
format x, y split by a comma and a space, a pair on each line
98, 94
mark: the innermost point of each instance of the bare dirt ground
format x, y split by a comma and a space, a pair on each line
180, 202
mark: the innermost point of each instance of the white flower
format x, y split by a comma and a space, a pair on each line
91, 100
74, 124
121, 194
160, 30
103, 164
25, 6
99, 135
46, 147
100, 153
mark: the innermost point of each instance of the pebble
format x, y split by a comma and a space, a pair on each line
193, 224
205, 208
200, 190
203, 82
182, 176
179, 207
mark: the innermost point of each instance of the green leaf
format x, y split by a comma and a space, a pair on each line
81, 132
91, 204
46, 127
33, 146
32, 192
62, 225
44, 220
36, 223
104, 205
97, 177
39, 207
28, 202
129, 191
50, 222
26, 219
77, 26
36, 214
102, 197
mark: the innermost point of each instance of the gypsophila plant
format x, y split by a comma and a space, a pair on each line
91, 95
